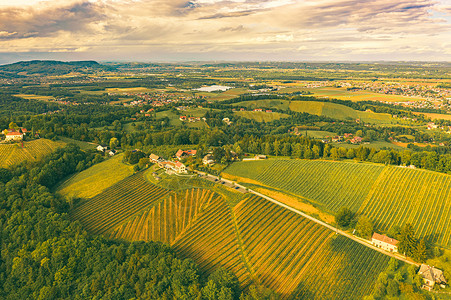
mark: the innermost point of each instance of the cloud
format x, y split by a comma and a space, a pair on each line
46, 21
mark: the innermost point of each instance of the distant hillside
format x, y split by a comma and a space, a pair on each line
50, 67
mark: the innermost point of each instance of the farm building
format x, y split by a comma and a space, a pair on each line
112, 152
102, 148
155, 158
185, 153
208, 160
431, 276
14, 136
384, 242
172, 167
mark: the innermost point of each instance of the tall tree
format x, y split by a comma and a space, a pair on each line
407, 240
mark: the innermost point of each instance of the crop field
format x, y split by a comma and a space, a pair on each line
388, 195
261, 116
35, 97
434, 116
11, 154
107, 210
257, 240
338, 111
293, 255
270, 104
96, 179
221, 96
343, 94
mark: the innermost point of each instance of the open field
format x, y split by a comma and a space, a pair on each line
134, 90
257, 240
261, 116
269, 103
35, 97
343, 94
83, 145
434, 116
174, 118
221, 96
388, 195
96, 179
338, 111
11, 154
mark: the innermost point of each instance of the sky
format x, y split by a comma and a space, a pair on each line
225, 30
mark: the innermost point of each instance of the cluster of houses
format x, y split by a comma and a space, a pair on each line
191, 119
173, 167
430, 274
347, 137
104, 149
14, 134
255, 109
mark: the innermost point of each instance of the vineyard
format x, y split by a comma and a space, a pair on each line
11, 154
104, 212
96, 179
258, 241
388, 195
291, 254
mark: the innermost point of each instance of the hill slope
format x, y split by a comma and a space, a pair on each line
388, 195
11, 154
257, 240
50, 67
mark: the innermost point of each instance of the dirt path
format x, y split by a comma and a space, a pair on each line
337, 231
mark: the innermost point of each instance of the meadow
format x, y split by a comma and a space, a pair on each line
261, 116
269, 104
341, 112
96, 179
388, 195
35, 97
11, 154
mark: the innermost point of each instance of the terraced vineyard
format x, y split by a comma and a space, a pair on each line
257, 240
104, 212
291, 254
11, 154
388, 195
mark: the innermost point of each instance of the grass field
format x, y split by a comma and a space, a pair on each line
35, 97
174, 118
96, 179
83, 145
343, 94
435, 116
388, 195
260, 242
269, 103
221, 96
341, 112
11, 154
261, 116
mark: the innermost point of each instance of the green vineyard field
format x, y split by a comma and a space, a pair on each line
388, 195
11, 154
104, 212
260, 242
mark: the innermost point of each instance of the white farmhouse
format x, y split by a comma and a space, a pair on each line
14, 136
384, 242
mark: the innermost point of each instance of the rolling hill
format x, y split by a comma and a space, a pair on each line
259, 241
11, 154
386, 194
51, 67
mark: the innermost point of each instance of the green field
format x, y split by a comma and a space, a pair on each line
388, 195
269, 103
261, 116
341, 112
260, 242
11, 154
35, 97
174, 118
95, 179
344, 94
221, 96
83, 145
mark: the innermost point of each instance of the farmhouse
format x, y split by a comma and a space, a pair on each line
155, 158
173, 167
384, 242
185, 153
208, 160
14, 136
431, 276
102, 148
112, 152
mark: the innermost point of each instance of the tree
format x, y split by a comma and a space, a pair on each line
420, 252
407, 240
334, 154
344, 217
393, 264
257, 292
222, 284
13, 125
364, 227
392, 288
114, 142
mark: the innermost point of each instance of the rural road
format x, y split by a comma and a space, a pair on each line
338, 231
